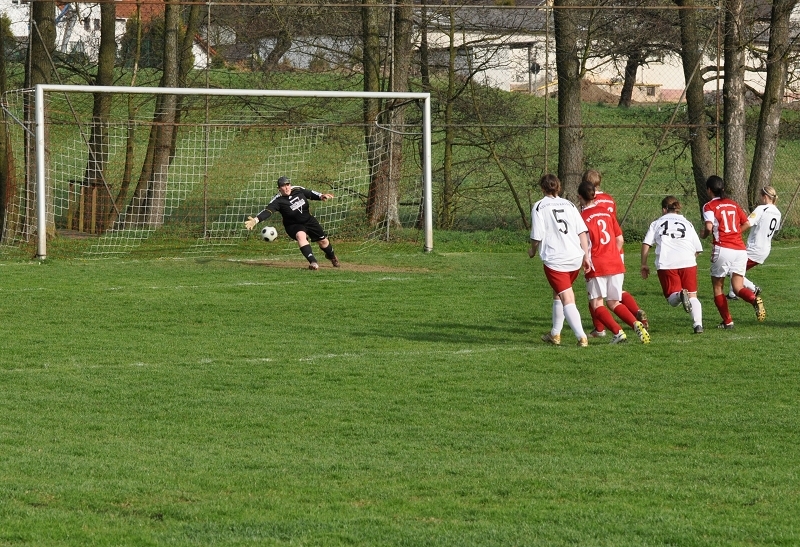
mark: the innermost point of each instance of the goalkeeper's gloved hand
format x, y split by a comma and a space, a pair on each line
250, 223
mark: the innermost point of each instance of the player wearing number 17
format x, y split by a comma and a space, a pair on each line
726, 220
559, 234
677, 247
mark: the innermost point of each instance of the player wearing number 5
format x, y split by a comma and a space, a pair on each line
726, 220
677, 246
559, 234
765, 220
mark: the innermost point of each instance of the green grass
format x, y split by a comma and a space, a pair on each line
410, 402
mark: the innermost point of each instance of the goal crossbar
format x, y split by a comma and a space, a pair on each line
40, 90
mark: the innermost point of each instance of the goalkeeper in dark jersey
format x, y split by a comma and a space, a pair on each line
292, 203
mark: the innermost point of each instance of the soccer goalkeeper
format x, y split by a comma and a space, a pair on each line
292, 203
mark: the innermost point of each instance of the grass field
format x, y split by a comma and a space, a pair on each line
404, 399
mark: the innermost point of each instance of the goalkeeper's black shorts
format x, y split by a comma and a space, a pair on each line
311, 227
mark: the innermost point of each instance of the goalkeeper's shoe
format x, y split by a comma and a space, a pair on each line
313, 266
335, 262
758, 305
554, 339
641, 332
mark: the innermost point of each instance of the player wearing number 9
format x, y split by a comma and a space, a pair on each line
559, 235
677, 246
726, 220
765, 220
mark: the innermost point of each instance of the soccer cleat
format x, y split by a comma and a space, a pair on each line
641, 316
554, 339
758, 305
619, 338
732, 296
757, 290
313, 266
698, 329
597, 333
583, 342
687, 304
725, 326
335, 262
641, 332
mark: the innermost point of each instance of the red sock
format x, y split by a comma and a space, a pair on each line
721, 302
601, 312
747, 295
630, 302
625, 314
598, 325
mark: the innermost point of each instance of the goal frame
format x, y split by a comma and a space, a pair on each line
41, 167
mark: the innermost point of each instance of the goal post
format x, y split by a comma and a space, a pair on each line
311, 141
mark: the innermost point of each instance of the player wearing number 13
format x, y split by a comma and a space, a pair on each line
726, 220
558, 233
677, 247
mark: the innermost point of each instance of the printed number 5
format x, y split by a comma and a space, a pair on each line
560, 221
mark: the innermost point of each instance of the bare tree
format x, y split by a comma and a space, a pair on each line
692, 48
734, 100
568, 68
772, 102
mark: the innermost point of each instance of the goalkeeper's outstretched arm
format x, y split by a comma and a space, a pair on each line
251, 222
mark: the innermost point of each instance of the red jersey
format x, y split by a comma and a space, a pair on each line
603, 232
727, 218
605, 201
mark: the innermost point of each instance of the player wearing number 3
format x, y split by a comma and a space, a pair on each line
726, 220
560, 236
677, 246
604, 280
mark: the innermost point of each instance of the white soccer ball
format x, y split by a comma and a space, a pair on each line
268, 233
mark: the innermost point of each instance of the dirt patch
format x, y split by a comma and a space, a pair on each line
345, 266
590, 93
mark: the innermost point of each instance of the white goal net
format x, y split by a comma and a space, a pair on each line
176, 172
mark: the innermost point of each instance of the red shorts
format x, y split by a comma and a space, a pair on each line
750, 263
560, 281
673, 281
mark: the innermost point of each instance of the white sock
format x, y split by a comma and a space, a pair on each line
749, 284
674, 299
558, 317
573, 318
697, 311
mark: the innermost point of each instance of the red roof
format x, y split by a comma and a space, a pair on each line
148, 9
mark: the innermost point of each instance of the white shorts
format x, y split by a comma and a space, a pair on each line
605, 286
725, 261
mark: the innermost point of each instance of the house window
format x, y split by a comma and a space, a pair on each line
86, 23
651, 91
96, 24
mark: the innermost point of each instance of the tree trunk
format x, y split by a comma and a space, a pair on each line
733, 102
94, 179
384, 199
570, 132
5, 174
378, 167
283, 43
447, 210
772, 102
635, 60
39, 70
691, 46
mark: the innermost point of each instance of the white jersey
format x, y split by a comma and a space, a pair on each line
764, 222
675, 240
557, 224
